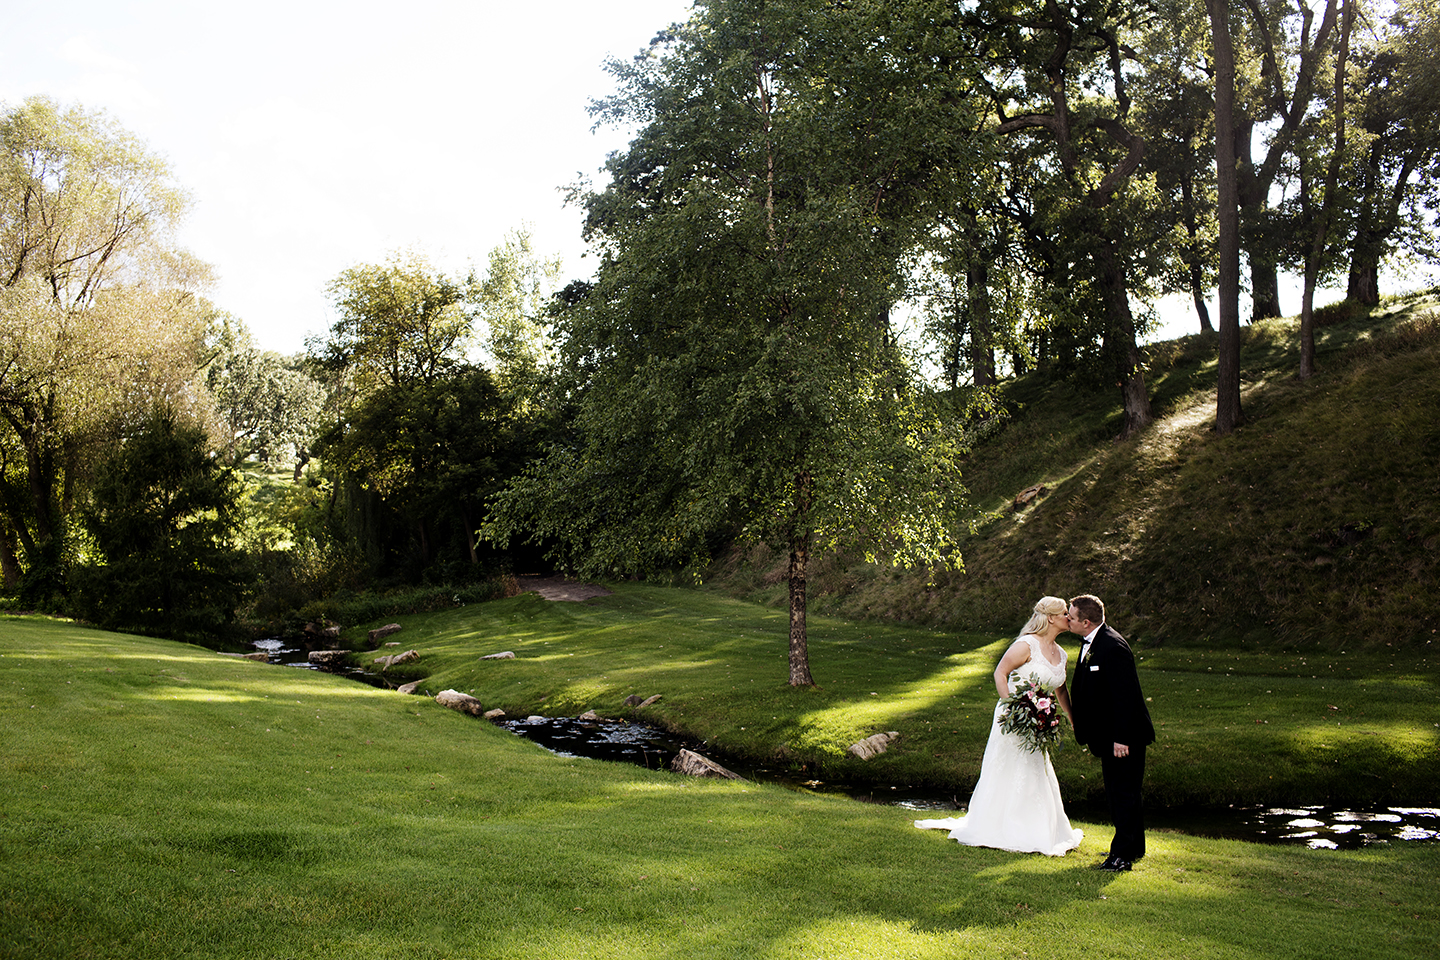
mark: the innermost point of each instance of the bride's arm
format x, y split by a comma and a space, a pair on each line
1018, 653
1063, 696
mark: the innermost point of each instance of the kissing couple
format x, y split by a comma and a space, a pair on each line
1016, 804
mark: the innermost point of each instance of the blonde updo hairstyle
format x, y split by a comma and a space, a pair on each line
1045, 608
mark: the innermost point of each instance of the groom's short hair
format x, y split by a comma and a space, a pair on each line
1089, 607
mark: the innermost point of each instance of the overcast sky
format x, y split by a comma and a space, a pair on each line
316, 135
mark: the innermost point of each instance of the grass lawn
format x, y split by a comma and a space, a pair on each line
160, 800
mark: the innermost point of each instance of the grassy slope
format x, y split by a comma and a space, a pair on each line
159, 800
1315, 526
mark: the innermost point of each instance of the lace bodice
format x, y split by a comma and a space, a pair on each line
1037, 669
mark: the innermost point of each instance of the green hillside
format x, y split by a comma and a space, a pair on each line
1315, 525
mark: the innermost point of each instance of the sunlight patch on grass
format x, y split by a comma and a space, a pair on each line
866, 936
208, 695
1400, 737
85, 650
882, 711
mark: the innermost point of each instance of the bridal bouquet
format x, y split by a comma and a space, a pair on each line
1033, 714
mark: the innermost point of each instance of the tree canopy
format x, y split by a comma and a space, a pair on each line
100, 317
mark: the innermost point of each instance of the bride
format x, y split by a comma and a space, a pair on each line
1016, 805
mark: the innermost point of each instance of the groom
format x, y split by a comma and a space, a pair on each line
1110, 719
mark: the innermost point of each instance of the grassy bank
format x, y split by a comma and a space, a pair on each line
1312, 527
159, 800
1352, 727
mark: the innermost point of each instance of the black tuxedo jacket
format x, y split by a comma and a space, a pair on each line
1106, 699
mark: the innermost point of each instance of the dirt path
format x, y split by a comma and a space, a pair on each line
555, 588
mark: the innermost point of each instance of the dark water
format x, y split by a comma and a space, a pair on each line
1316, 826
295, 654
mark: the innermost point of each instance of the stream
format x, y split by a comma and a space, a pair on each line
1316, 826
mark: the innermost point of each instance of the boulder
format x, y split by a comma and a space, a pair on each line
589, 715
380, 633
649, 700
872, 746
463, 702
327, 658
328, 631
408, 688
496, 714
260, 655
504, 655
693, 764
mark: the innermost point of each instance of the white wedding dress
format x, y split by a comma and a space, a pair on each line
1016, 805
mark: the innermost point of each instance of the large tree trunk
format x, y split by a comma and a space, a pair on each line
1379, 218
1251, 196
1264, 287
1364, 282
1121, 343
1227, 386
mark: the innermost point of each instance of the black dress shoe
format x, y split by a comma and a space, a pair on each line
1116, 865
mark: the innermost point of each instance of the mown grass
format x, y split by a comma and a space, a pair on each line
1312, 527
159, 800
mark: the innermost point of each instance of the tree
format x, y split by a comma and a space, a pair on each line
1174, 93
1065, 79
1318, 202
1227, 391
1396, 89
164, 515
421, 461
398, 321
512, 300
973, 291
733, 365
97, 315
1282, 61
270, 408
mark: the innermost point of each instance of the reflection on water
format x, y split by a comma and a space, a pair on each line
280, 652
1325, 828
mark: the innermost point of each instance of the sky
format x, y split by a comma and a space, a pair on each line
314, 135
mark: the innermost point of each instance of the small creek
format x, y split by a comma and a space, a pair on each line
1316, 826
